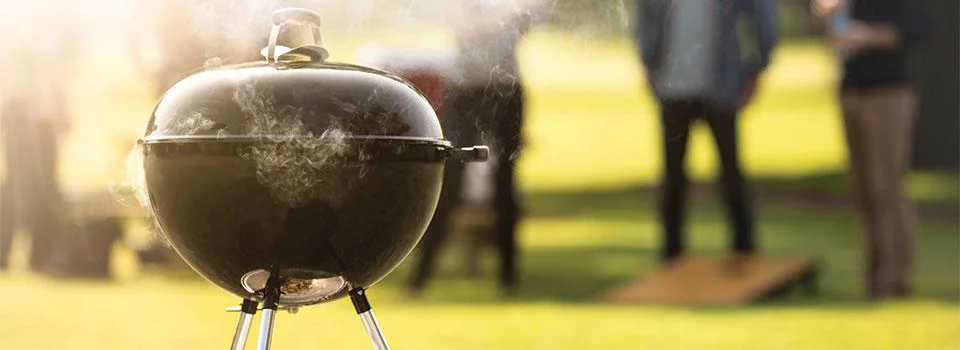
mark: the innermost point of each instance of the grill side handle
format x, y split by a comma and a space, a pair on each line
470, 154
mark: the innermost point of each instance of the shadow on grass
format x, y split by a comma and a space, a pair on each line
580, 274
936, 193
804, 216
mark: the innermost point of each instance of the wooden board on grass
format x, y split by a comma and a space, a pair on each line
720, 281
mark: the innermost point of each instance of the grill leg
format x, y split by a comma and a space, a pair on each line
362, 305
247, 309
271, 300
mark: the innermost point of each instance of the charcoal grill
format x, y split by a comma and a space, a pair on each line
295, 181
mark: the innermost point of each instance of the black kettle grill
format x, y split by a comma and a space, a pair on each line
295, 181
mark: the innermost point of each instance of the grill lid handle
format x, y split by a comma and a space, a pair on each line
295, 36
471, 154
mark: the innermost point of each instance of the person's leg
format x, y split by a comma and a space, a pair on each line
45, 208
723, 124
459, 129
507, 129
6, 223
676, 118
859, 168
8, 203
507, 216
904, 105
889, 113
437, 230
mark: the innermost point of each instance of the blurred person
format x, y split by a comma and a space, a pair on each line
875, 40
429, 71
698, 69
486, 107
33, 116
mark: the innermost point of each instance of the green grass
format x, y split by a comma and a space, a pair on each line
577, 245
591, 226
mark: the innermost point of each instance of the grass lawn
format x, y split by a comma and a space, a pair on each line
593, 149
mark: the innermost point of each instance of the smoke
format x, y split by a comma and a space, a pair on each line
237, 30
192, 124
229, 29
291, 161
132, 189
294, 163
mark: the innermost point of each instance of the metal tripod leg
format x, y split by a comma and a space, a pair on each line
271, 300
362, 305
247, 309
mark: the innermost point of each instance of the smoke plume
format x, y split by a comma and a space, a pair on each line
292, 162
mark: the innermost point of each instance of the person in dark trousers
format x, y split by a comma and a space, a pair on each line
699, 68
875, 40
487, 108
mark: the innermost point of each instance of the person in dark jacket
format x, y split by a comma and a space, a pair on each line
487, 107
875, 39
698, 69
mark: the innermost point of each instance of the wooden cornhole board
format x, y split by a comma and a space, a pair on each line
719, 281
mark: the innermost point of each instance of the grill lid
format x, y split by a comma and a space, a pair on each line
293, 94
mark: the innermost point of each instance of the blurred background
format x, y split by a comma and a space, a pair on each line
588, 175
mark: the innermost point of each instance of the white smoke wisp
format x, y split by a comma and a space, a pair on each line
226, 28
239, 28
192, 124
290, 160
132, 189
618, 11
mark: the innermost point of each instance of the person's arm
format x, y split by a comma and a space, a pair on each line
764, 19
651, 16
824, 9
903, 25
900, 24
764, 15
871, 36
